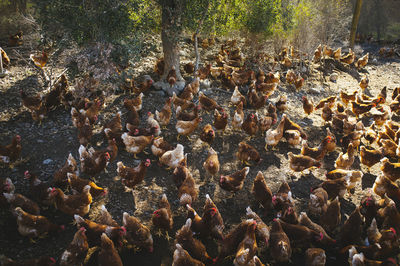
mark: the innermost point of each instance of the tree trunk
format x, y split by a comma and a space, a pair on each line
354, 23
170, 34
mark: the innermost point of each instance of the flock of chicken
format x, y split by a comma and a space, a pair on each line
367, 237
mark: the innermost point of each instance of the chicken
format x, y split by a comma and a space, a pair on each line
60, 176
359, 109
315, 257
345, 161
293, 137
160, 146
308, 105
349, 58
40, 60
364, 81
136, 145
31, 102
95, 230
187, 116
195, 247
38, 188
164, 116
238, 117
93, 162
317, 54
19, 200
352, 228
137, 233
299, 163
220, 120
281, 104
250, 125
172, 158
384, 185
180, 173
319, 152
301, 235
373, 234
212, 221
78, 119
299, 82
370, 157
337, 54
189, 68
144, 85
108, 254
247, 153
337, 187
255, 100
114, 124
237, 97
204, 72
72, 204
11, 152
162, 217
211, 165
234, 182
280, 248
346, 98
290, 125
332, 217
330, 100
262, 192
273, 136
207, 103
390, 170
34, 226
184, 104
135, 103
78, 185
182, 258
4, 57
188, 192
207, 135
152, 123
15, 39
327, 113
85, 133
362, 61
92, 112
283, 197
325, 238
185, 128
76, 252
317, 205
132, 176
262, 230
159, 66
248, 247
105, 217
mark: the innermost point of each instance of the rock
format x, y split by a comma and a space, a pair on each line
315, 90
158, 93
177, 87
47, 161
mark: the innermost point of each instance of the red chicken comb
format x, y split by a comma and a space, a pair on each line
82, 229
107, 155
321, 236
393, 230
148, 113
53, 261
62, 227
123, 230
26, 174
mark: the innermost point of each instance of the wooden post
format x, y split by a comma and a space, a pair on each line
354, 23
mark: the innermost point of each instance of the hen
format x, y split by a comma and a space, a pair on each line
132, 176
76, 252
238, 117
19, 200
11, 152
172, 158
160, 146
108, 254
280, 248
299, 163
234, 182
34, 226
182, 258
78, 184
162, 217
317, 205
247, 153
93, 162
72, 204
188, 192
60, 176
248, 247
345, 161
220, 120
136, 145
207, 103
185, 128
137, 233
164, 115
211, 165
262, 192
40, 60
207, 135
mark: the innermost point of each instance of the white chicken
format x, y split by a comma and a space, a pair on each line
273, 136
237, 120
236, 96
173, 157
152, 122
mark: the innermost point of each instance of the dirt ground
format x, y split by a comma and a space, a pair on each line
46, 147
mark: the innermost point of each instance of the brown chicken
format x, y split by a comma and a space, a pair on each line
256, 100
250, 125
319, 152
238, 117
207, 135
262, 193
306, 221
115, 124
78, 184
204, 72
188, 192
11, 152
281, 104
40, 60
72, 204
332, 217
390, 170
136, 145
187, 115
234, 182
95, 230
247, 153
34, 226
108, 254
85, 133
15, 39
211, 165
93, 162
327, 113
330, 100
78, 119
370, 157
280, 248
77, 250
359, 109
290, 125
60, 176
182, 258
195, 247
317, 204
207, 103
164, 116
362, 61
336, 187
159, 66
132, 176
185, 128
144, 85
93, 111
349, 58
308, 105
160, 146
301, 235
299, 163
38, 189
162, 217
220, 120
189, 68
315, 257
352, 228
19, 200
248, 247
137, 233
